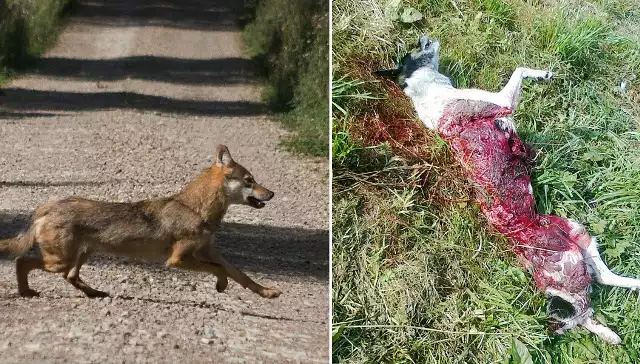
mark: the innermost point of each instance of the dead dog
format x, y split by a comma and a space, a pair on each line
177, 229
558, 252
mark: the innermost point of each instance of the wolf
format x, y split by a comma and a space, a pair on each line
478, 127
177, 229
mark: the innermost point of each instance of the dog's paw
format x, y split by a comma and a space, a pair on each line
610, 338
29, 293
548, 76
270, 292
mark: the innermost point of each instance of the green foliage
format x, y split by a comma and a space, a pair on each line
290, 41
27, 28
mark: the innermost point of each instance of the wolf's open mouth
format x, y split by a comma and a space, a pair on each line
254, 202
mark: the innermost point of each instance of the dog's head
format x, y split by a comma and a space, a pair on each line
239, 184
424, 57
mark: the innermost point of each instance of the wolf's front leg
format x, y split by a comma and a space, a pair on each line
242, 278
511, 92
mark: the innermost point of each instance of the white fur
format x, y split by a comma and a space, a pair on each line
601, 272
431, 98
602, 331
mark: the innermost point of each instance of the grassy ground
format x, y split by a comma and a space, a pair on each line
27, 28
417, 274
290, 39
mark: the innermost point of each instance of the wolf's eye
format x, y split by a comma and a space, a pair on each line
249, 179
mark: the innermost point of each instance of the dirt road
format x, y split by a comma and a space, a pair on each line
131, 104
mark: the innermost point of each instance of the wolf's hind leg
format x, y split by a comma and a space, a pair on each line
73, 277
48, 262
602, 273
511, 91
24, 265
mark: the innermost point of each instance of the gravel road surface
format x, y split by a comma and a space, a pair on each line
131, 104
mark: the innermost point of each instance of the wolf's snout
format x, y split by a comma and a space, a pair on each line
264, 194
269, 195
259, 196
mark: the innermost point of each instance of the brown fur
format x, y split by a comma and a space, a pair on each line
178, 228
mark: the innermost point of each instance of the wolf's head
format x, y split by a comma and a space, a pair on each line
424, 57
239, 184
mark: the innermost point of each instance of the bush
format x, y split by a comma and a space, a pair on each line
290, 40
27, 28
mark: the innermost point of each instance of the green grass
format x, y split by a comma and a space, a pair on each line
417, 274
290, 41
27, 28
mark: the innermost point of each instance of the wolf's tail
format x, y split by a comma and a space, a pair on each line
20, 244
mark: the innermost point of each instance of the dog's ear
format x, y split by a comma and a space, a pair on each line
391, 73
223, 157
424, 42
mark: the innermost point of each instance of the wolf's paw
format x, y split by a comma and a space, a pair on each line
222, 284
29, 293
270, 292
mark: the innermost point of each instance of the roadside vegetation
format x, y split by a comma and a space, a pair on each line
27, 28
418, 277
290, 41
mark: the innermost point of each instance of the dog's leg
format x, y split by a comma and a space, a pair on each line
24, 265
73, 277
182, 257
602, 331
242, 278
511, 91
601, 272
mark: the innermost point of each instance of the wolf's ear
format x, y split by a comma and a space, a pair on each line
391, 73
223, 157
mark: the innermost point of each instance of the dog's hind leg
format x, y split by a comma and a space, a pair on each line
602, 273
511, 91
73, 277
602, 331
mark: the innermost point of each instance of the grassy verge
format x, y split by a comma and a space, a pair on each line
290, 40
417, 274
27, 28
